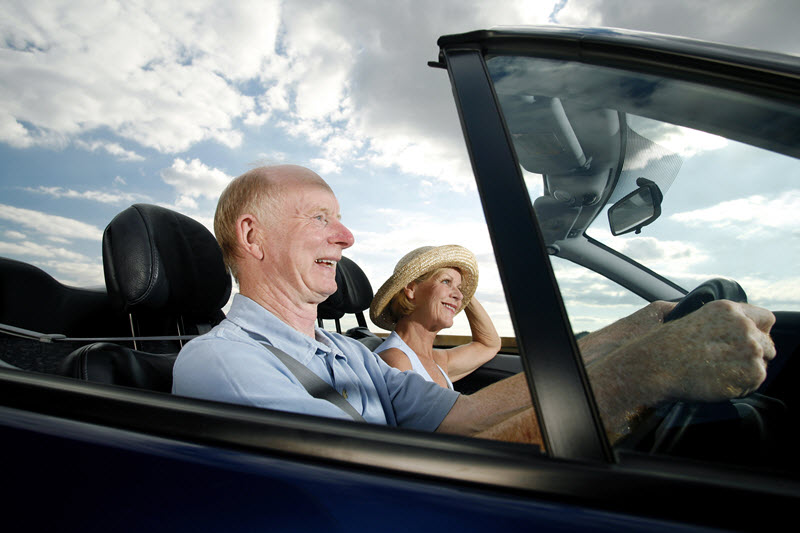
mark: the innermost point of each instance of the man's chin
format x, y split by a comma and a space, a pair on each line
323, 293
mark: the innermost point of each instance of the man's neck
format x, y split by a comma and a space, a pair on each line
301, 316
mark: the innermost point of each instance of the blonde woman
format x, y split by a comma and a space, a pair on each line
429, 287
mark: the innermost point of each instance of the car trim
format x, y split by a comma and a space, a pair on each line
767, 74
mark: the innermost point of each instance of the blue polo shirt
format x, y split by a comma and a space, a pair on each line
229, 364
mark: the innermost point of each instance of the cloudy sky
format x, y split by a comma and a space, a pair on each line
104, 104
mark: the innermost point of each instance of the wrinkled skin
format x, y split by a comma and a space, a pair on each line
720, 351
723, 356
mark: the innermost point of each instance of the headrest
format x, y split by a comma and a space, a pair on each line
157, 259
353, 292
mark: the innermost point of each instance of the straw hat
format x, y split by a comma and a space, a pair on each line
418, 263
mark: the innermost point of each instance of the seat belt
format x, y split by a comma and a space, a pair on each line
315, 385
58, 337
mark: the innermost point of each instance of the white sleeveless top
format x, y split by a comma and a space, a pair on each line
394, 341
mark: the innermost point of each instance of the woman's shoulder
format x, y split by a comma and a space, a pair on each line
397, 358
391, 341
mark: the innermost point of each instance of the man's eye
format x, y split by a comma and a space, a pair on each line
446, 281
321, 218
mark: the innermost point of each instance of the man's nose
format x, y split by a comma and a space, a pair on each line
341, 236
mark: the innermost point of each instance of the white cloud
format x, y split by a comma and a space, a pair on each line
325, 166
193, 180
749, 23
77, 273
670, 139
196, 68
52, 225
269, 158
773, 294
750, 217
369, 95
97, 196
163, 74
112, 148
14, 133
15, 235
651, 251
358, 95
33, 249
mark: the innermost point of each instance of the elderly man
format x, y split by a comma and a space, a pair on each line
281, 236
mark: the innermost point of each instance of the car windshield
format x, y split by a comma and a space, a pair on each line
729, 213
586, 136
646, 187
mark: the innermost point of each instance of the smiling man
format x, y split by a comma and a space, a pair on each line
281, 236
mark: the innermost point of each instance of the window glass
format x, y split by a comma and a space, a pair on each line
645, 187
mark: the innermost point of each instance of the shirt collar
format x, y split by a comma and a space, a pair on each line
260, 324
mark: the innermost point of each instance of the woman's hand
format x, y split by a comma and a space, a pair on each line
462, 360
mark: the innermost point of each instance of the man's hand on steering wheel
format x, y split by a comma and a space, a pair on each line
718, 352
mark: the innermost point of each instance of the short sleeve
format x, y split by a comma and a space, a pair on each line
417, 402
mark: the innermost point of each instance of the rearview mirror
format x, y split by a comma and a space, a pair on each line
637, 209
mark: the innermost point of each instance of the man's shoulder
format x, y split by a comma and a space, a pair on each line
224, 339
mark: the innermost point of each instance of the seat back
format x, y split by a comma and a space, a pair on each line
104, 362
32, 300
165, 270
353, 296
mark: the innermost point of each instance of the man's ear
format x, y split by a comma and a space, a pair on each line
248, 236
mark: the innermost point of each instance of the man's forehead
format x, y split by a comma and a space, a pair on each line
310, 196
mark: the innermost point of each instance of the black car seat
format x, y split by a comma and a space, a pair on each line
32, 299
46, 309
353, 296
105, 362
165, 270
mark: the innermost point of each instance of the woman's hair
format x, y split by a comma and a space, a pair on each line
400, 306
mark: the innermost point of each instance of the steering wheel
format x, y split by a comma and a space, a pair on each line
726, 430
708, 291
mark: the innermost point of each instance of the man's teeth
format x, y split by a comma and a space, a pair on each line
326, 262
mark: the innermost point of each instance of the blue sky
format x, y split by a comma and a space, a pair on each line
104, 104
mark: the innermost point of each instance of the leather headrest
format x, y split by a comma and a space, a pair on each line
158, 259
353, 292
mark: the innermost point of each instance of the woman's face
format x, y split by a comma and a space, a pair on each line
437, 299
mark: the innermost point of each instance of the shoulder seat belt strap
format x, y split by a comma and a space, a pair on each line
315, 385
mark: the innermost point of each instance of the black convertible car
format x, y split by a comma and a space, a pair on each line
603, 160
